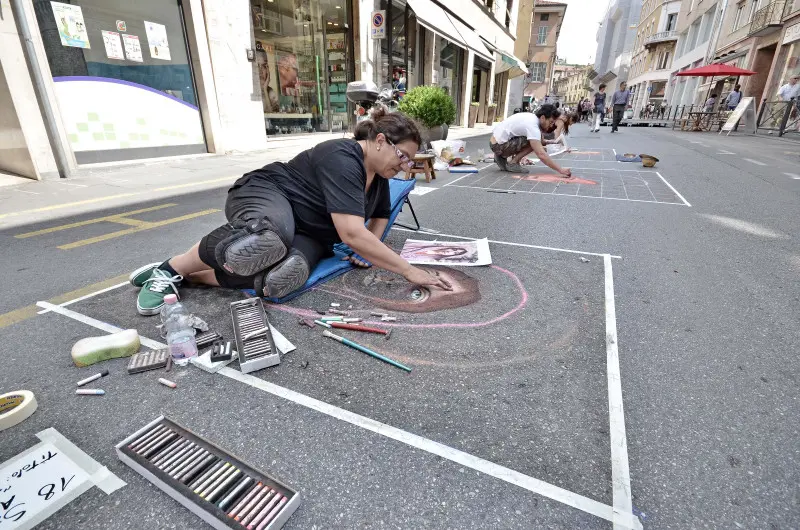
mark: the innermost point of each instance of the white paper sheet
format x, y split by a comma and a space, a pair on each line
451, 253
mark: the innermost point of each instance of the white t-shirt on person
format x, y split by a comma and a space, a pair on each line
521, 124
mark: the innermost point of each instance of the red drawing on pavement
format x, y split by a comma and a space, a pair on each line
554, 179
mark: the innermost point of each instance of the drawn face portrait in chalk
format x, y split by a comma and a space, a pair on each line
391, 291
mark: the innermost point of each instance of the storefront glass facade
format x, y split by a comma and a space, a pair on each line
123, 78
303, 60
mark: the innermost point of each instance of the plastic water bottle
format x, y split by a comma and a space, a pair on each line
180, 333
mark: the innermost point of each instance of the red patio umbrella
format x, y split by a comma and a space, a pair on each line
712, 70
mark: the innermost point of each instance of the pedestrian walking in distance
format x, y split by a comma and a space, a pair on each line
619, 101
733, 98
599, 107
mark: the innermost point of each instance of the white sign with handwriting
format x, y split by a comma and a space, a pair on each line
36, 483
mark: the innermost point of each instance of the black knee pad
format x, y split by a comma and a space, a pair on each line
284, 278
245, 248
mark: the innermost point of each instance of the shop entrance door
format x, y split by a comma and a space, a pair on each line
123, 78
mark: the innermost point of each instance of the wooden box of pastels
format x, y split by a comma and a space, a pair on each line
215, 485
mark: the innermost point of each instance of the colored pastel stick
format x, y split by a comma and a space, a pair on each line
245, 500
358, 327
361, 348
223, 486
247, 509
275, 511
217, 481
197, 468
204, 476
262, 513
235, 492
258, 507
169, 450
146, 437
178, 468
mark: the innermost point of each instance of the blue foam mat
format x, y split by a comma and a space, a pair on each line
330, 268
622, 158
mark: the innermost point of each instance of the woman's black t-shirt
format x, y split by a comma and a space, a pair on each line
328, 178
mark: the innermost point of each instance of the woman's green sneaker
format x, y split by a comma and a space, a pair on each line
142, 274
155, 288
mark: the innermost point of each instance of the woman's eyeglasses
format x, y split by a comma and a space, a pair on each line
404, 160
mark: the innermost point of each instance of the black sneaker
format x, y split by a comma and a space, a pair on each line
501, 162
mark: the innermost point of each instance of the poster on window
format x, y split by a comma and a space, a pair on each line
133, 49
113, 45
70, 24
288, 73
267, 77
157, 40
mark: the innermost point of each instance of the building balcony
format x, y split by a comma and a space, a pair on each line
767, 19
661, 36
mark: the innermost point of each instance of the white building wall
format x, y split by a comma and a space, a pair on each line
241, 114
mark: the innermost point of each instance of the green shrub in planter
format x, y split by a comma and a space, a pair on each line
428, 104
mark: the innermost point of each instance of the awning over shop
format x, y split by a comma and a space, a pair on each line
506, 62
434, 18
474, 42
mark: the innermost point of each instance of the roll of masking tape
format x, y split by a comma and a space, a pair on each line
16, 407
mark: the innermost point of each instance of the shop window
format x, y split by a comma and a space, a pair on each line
447, 71
301, 57
123, 78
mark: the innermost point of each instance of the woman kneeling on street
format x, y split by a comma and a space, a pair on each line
285, 217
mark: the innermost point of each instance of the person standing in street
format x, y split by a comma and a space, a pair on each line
710, 102
599, 107
619, 101
733, 98
790, 90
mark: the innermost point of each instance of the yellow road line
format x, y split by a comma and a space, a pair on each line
129, 222
68, 204
109, 218
135, 229
111, 197
24, 313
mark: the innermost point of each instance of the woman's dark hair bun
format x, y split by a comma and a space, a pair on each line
395, 126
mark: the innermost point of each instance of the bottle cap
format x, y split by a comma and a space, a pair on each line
171, 299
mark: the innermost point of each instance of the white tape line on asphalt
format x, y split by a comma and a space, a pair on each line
510, 243
620, 518
87, 296
793, 175
620, 473
756, 162
673, 189
722, 152
99, 324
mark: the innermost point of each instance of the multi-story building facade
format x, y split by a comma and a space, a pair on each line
698, 21
574, 86
616, 38
542, 49
653, 51
123, 80
759, 35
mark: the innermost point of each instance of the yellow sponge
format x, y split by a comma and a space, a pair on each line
95, 349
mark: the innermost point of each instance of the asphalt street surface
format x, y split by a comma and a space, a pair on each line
511, 370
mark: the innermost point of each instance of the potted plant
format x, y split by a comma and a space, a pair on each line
491, 113
473, 113
432, 107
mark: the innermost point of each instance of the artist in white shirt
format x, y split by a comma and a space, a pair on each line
790, 90
521, 134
